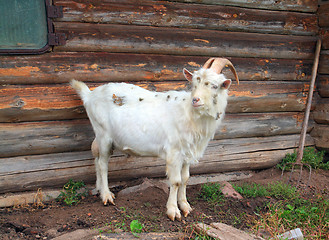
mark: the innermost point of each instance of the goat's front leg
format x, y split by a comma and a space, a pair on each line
174, 175
182, 201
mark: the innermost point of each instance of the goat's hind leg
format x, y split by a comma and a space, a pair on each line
95, 152
101, 164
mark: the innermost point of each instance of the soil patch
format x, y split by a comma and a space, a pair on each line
50, 219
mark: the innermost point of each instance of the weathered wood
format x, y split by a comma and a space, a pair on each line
287, 5
323, 85
176, 41
17, 139
321, 112
324, 33
44, 137
324, 62
320, 134
32, 172
174, 14
260, 125
19, 103
104, 67
323, 14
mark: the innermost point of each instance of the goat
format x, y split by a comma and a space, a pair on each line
175, 125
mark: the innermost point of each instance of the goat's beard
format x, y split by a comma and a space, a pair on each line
205, 111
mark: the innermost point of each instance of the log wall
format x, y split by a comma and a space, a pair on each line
321, 112
44, 131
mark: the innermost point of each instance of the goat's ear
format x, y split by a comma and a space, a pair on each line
188, 75
226, 84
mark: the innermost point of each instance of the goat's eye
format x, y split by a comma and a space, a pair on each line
214, 86
198, 79
206, 83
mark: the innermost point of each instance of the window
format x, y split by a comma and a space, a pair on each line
26, 26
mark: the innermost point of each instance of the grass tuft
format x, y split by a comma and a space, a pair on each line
310, 156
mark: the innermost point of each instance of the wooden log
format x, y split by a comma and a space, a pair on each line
320, 134
321, 112
176, 41
44, 137
261, 125
32, 172
323, 14
104, 67
324, 33
287, 5
324, 62
323, 85
169, 14
19, 103
19, 139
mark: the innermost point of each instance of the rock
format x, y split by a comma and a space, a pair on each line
229, 191
146, 184
52, 232
222, 231
82, 234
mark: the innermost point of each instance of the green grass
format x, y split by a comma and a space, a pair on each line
278, 190
72, 193
290, 211
211, 192
310, 156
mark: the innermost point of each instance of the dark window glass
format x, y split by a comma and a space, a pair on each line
23, 25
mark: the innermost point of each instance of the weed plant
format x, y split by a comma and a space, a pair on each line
72, 193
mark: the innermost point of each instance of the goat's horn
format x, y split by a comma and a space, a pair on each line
208, 63
218, 65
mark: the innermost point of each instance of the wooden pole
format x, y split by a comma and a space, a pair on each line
309, 103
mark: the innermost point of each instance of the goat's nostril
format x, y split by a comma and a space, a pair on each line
195, 100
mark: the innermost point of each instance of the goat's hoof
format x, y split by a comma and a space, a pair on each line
173, 214
108, 198
185, 208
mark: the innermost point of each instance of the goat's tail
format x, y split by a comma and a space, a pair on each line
81, 88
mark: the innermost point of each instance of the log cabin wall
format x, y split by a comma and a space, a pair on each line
321, 112
44, 131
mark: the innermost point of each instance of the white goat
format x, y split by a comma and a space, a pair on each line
175, 125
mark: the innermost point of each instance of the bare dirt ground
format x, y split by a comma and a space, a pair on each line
51, 219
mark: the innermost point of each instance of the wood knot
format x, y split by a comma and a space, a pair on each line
18, 102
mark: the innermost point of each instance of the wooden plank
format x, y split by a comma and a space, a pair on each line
19, 103
323, 14
323, 85
321, 112
174, 14
19, 139
324, 62
104, 67
287, 5
176, 41
32, 172
320, 134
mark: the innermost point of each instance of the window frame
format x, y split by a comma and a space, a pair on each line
53, 39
